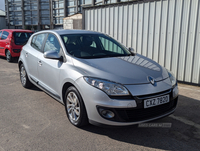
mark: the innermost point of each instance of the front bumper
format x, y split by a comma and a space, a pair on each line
128, 111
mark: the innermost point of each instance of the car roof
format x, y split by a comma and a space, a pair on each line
18, 30
75, 31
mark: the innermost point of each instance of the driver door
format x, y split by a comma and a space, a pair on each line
49, 69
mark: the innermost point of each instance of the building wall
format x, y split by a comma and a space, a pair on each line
167, 31
45, 14
73, 22
3, 22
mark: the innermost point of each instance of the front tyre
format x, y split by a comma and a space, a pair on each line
9, 57
75, 107
24, 77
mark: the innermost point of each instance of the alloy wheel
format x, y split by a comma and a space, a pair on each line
23, 75
73, 107
8, 56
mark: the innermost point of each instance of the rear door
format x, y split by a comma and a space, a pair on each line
20, 39
4, 41
31, 55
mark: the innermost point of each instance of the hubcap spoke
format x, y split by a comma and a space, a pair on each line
77, 108
69, 98
74, 115
77, 112
69, 110
69, 105
75, 100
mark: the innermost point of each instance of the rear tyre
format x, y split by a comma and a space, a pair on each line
75, 108
9, 57
24, 77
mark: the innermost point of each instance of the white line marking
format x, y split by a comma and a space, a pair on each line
185, 121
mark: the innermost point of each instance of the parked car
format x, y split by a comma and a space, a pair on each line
99, 80
12, 41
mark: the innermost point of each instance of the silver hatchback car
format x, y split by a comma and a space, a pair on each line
99, 80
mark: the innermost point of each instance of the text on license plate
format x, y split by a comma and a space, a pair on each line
156, 101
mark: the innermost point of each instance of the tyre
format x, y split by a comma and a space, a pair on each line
24, 77
75, 108
9, 58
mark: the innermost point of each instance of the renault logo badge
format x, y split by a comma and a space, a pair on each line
152, 81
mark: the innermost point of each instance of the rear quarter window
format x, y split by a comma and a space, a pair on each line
4, 35
0, 33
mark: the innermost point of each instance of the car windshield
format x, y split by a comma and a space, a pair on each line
91, 46
21, 38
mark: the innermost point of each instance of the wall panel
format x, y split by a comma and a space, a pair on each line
167, 31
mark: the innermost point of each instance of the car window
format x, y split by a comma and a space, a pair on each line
65, 39
52, 43
21, 37
33, 41
37, 41
91, 46
4, 35
0, 34
108, 45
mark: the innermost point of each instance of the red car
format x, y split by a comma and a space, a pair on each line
12, 41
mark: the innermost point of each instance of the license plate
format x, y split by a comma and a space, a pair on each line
156, 101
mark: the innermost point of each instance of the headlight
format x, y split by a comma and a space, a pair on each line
172, 78
111, 88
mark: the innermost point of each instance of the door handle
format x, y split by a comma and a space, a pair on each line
40, 63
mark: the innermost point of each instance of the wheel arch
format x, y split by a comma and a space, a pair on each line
6, 49
64, 89
19, 64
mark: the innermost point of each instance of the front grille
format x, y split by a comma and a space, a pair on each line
133, 115
154, 94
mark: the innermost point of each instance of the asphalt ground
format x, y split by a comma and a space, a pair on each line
31, 120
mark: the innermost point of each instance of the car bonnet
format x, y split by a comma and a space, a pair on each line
125, 70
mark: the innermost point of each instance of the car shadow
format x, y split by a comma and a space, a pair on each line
180, 135
15, 60
35, 88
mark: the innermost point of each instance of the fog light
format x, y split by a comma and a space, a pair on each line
107, 114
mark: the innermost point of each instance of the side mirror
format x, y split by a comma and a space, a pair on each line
53, 55
131, 50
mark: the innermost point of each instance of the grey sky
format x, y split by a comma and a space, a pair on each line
2, 5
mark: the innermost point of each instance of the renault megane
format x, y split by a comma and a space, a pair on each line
99, 80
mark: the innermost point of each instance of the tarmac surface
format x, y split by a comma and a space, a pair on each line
31, 120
